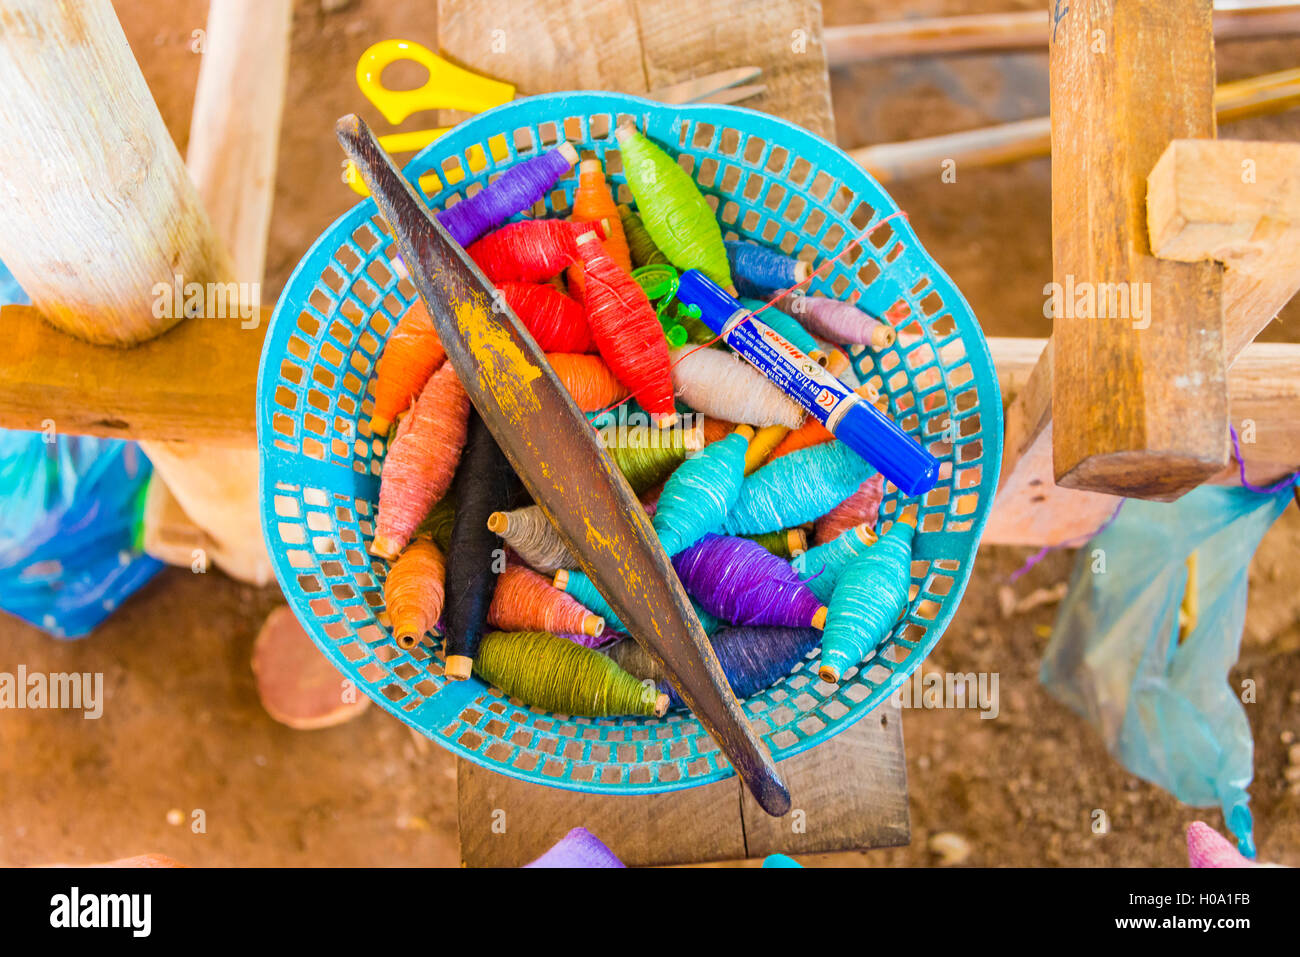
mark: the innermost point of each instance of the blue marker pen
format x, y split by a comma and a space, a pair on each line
858, 424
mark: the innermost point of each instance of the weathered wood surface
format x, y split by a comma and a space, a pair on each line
1139, 396
1236, 202
97, 208
850, 792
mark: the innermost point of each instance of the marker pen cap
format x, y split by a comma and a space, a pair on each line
715, 303
895, 454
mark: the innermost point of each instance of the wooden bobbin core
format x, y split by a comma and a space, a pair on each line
570, 153
661, 705
561, 579
819, 619
458, 667
883, 336
593, 625
866, 534
796, 540
802, 272
836, 362
498, 523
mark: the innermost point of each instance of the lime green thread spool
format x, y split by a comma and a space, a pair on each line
645, 455
784, 543
673, 209
546, 671
869, 596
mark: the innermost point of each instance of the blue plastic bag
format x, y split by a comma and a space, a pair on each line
1166, 710
70, 515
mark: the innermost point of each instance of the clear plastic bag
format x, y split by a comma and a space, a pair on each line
1165, 708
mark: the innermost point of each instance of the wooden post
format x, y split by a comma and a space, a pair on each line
1139, 384
234, 135
97, 207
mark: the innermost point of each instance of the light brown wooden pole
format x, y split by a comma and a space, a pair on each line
96, 207
1139, 384
234, 135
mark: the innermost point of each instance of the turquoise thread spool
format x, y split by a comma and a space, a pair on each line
820, 567
869, 597
701, 491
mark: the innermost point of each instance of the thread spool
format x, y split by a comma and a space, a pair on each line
524, 601
647, 456
673, 210
533, 250
767, 439
759, 271
516, 189
715, 430
534, 539
411, 354
719, 384
870, 595
641, 247
437, 524
813, 432
576, 583
839, 321
626, 331
820, 566
700, 492
484, 485
413, 592
860, 508
796, 489
786, 543
545, 671
555, 320
588, 379
593, 202
742, 582
789, 328
421, 460
753, 659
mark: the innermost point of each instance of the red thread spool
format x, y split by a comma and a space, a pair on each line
555, 320
626, 331
530, 251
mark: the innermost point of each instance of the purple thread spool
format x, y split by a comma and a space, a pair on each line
839, 321
742, 582
516, 189
578, 848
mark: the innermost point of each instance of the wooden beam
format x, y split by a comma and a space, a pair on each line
234, 137
97, 209
1236, 202
195, 384
1139, 394
850, 793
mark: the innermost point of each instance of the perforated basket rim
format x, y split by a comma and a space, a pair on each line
453, 698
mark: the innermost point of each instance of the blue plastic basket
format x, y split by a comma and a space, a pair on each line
772, 182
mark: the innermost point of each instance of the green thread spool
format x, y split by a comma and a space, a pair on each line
784, 543
820, 567
647, 455
577, 584
789, 328
437, 524
870, 595
673, 210
549, 672
700, 492
640, 245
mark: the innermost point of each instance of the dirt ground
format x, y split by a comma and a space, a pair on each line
183, 731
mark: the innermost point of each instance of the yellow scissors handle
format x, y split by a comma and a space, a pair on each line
448, 87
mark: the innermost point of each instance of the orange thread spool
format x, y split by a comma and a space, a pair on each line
421, 460
525, 601
588, 379
410, 356
811, 432
592, 202
413, 592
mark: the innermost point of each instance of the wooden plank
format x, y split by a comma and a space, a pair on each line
97, 208
506, 823
1236, 202
196, 383
849, 793
1139, 395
